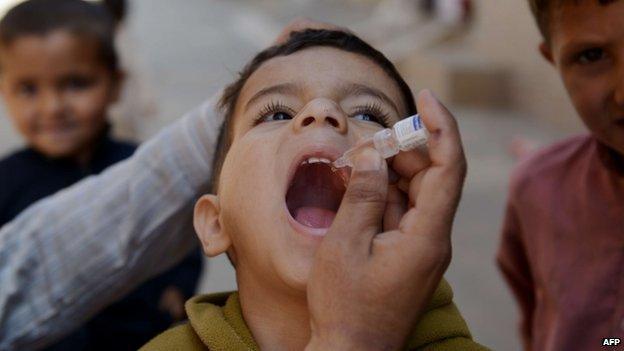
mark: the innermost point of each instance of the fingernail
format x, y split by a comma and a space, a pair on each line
368, 160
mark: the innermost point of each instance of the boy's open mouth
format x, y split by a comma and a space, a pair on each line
315, 193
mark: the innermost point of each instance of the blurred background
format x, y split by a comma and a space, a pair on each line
480, 57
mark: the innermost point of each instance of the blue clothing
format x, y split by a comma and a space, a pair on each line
27, 176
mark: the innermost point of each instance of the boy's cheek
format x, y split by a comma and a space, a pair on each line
588, 112
243, 168
589, 96
594, 108
21, 116
90, 103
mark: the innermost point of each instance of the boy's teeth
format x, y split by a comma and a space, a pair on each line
316, 160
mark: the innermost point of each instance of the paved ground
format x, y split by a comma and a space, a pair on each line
186, 53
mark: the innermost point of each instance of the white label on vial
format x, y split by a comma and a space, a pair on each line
410, 133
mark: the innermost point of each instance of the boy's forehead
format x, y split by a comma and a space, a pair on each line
321, 67
577, 26
52, 50
574, 19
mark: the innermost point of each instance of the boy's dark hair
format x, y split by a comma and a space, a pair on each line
542, 12
41, 17
298, 41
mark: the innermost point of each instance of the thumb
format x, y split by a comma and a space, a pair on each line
360, 214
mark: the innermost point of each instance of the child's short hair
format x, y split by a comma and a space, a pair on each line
41, 17
299, 41
542, 12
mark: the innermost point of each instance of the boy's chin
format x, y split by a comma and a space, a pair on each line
296, 277
58, 147
618, 142
614, 141
56, 150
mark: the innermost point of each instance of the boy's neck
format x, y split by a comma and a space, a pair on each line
83, 157
277, 320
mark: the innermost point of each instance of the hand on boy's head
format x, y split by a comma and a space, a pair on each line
401, 267
303, 23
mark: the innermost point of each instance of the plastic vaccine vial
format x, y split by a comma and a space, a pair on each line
406, 134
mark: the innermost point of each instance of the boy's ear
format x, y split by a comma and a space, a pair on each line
544, 49
208, 226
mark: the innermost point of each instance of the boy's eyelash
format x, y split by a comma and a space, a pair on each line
272, 107
376, 110
371, 108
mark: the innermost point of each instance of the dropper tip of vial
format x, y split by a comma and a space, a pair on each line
339, 163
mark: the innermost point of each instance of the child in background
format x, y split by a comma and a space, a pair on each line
59, 75
562, 249
296, 106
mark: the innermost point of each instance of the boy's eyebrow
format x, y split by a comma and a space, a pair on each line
360, 89
284, 89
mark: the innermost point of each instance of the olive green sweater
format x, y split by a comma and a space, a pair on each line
216, 324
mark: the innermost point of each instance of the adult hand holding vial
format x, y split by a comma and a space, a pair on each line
405, 135
376, 246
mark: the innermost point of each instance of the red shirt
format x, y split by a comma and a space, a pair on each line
562, 247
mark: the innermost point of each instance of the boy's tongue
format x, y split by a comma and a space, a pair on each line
315, 217
314, 195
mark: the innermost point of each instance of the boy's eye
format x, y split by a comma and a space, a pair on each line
371, 112
77, 83
590, 56
277, 116
368, 117
27, 89
274, 111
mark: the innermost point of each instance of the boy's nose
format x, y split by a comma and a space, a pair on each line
321, 113
51, 105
